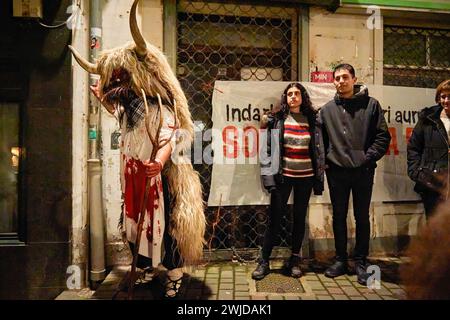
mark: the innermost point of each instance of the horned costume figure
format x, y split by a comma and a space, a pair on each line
138, 86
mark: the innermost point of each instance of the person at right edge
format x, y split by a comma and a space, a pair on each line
352, 135
428, 151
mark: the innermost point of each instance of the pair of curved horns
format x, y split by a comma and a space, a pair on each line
141, 46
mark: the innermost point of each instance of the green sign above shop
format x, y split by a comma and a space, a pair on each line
414, 4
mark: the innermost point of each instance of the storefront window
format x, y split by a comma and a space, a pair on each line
231, 41
416, 57
9, 167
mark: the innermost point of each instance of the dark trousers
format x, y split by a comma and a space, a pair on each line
359, 181
431, 200
172, 258
278, 208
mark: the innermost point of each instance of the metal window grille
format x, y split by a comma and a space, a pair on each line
416, 57
232, 41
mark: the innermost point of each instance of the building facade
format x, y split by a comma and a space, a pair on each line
58, 144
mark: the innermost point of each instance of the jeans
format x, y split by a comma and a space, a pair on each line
278, 207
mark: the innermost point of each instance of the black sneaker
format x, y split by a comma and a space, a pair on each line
261, 270
339, 268
292, 267
361, 272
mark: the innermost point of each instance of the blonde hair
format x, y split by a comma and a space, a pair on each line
153, 74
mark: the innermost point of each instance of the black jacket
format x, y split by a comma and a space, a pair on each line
271, 158
351, 132
428, 149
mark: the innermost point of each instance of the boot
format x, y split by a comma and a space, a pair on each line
361, 271
261, 270
293, 267
339, 268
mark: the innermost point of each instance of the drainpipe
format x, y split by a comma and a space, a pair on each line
80, 96
97, 234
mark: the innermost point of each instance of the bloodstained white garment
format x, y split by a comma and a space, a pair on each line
136, 148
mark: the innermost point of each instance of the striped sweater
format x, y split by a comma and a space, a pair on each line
296, 159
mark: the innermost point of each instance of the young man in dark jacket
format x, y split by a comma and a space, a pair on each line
428, 151
353, 136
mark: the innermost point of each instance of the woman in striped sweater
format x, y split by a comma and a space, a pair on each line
291, 164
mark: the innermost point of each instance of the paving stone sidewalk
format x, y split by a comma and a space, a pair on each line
232, 281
